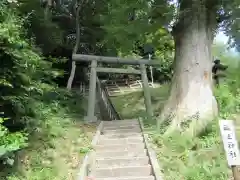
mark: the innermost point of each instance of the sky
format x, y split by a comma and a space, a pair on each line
221, 37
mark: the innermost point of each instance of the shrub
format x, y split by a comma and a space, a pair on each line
22, 73
228, 93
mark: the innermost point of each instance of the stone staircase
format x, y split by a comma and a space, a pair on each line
121, 153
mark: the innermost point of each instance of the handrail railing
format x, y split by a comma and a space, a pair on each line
105, 103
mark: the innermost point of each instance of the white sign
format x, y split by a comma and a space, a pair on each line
230, 142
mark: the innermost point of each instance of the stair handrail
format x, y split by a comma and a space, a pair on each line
105, 99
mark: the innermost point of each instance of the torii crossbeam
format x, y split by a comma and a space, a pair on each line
115, 60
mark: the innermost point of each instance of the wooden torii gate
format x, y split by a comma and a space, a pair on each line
114, 60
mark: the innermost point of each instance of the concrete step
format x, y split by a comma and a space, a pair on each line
121, 131
120, 122
120, 147
124, 161
123, 141
121, 153
124, 171
129, 178
111, 154
120, 127
122, 135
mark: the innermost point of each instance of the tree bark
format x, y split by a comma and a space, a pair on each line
49, 4
71, 77
191, 104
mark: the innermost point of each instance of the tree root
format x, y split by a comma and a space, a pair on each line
192, 123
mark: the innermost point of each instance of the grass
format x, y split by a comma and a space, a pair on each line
190, 159
57, 146
132, 104
180, 157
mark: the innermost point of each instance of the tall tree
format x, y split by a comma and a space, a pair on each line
191, 104
193, 25
71, 77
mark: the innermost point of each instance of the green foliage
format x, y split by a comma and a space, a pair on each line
10, 142
228, 94
231, 22
59, 141
26, 86
21, 75
122, 19
130, 25
47, 34
192, 159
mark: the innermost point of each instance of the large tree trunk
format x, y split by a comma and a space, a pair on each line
191, 104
